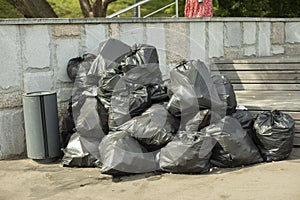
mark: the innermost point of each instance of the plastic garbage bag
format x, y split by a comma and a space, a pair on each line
226, 93
153, 129
90, 116
141, 54
103, 115
275, 133
77, 70
193, 90
110, 54
142, 65
174, 106
234, 146
128, 103
75, 155
67, 126
199, 121
74, 64
158, 93
83, 109
105, 66
107, 85
89, 127
121, 155
138, 68
189, 152
247, 121
127, 93
138, 65
133, 102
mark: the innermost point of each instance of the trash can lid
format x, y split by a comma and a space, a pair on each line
39, 93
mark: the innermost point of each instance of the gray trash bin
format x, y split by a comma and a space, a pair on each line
41, 126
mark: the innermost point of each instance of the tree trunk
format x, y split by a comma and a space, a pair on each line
94, 8
105, 4
97, 6
86, 8
34, 8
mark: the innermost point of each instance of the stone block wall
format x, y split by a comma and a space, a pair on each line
35, 52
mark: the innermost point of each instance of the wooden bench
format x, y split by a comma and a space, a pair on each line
265, 83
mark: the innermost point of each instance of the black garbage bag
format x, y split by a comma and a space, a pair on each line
74, 64
88, 125
77, 70
189, 152
275, 133
67, 126
234, 146
127, 104
110, 54
107, 85
121, 155
226, 93
199, 121
75, 155
141, 54
130, 90
153, 129
103, 114
193, 90
142, 65
247, 121
158, 93
84, 105
132, 100
104, 73
139, 67
126, 89
89, 116
174, 107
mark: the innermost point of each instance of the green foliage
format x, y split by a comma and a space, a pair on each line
289, 8
66, 8
8, 11
146, 8
256, 8
119, 5
172, 9
222, 8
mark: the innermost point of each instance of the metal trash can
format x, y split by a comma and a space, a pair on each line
41, 126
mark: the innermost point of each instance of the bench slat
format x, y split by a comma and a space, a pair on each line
256, 67
270, 100
270, 82
294, 115
262, 76
270, 105
267, 87
297, 140
297, 127
263, 60
275, 95
265, 84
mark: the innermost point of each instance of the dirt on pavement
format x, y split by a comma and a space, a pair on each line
26, 179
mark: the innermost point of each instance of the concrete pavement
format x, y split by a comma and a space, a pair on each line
26, 179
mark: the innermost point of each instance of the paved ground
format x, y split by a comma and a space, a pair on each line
25, 179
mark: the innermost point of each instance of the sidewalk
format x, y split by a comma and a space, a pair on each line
26, 179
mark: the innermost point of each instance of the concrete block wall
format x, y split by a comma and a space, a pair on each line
35, 52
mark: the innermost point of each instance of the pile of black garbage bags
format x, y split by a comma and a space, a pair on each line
126, 119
